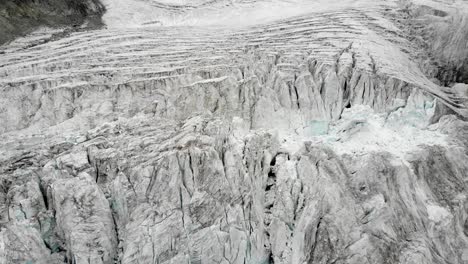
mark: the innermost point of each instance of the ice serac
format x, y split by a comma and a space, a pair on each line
84, 220
326, 133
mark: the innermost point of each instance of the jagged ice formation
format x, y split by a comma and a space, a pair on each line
238, 132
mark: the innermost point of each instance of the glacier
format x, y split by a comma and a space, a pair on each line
238, 131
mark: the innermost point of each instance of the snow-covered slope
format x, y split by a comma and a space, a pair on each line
234, 13
236, 132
